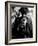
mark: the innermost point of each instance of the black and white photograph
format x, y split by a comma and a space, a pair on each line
20, 22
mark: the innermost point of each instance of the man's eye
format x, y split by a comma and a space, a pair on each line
23, 19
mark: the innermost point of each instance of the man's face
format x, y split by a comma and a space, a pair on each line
24, 21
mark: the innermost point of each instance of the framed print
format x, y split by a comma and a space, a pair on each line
20, 22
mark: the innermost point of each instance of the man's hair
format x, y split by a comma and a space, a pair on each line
24, 10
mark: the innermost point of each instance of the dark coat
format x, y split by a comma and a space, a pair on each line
21, 32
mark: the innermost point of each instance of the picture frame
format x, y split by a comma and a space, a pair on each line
10, 9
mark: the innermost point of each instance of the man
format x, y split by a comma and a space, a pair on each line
22, 28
